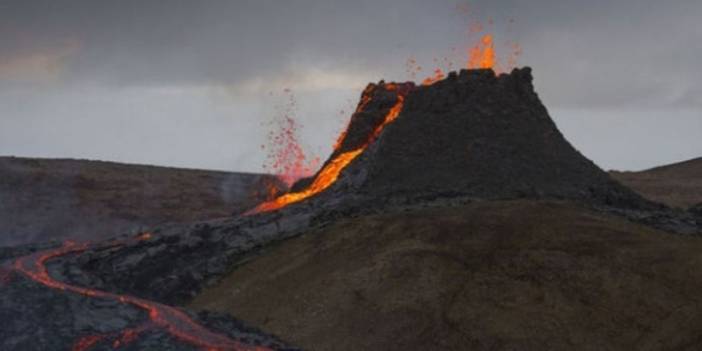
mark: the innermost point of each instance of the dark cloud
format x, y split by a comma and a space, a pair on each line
587, 55
607, 52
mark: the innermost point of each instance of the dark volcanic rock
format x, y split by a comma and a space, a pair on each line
480, 135
25, 305
697, 209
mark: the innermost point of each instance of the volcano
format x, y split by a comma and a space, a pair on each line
473, 134
450, 144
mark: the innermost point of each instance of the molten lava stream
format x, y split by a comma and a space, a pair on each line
329, 174
170, 319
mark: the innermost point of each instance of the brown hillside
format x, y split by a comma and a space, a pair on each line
42, 199
676, 185
510, 275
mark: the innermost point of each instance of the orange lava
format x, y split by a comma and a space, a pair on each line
482, 55
172, 320
326, 177
143, 236
438, 75
329, 174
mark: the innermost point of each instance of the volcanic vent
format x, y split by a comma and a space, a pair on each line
472, 134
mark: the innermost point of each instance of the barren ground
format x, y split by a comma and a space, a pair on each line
43, 199
676, 185
509, 275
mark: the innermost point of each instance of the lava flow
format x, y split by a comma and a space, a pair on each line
330, 172
175, 322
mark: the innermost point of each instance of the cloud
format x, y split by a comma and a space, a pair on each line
39, 64
308, 80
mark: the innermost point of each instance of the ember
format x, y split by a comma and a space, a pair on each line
286, 158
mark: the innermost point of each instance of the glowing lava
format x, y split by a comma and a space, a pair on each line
438, 75
482, 55
175, 322
330, 172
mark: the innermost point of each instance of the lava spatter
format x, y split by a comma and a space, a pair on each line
173, 321
286, 157
331, 170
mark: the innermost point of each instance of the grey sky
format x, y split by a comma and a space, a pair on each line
191, 83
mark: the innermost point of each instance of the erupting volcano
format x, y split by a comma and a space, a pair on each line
480, 133
482, 56
474, 133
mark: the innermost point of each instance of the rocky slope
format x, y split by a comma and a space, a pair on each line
676, 185
43, 199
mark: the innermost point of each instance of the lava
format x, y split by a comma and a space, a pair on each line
326, 177
330, 172
87, 342
482, 55
175, 322
365, 99
286, 158
438, 75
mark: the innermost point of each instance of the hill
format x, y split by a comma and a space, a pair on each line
677, 185
45, 199
500, 275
